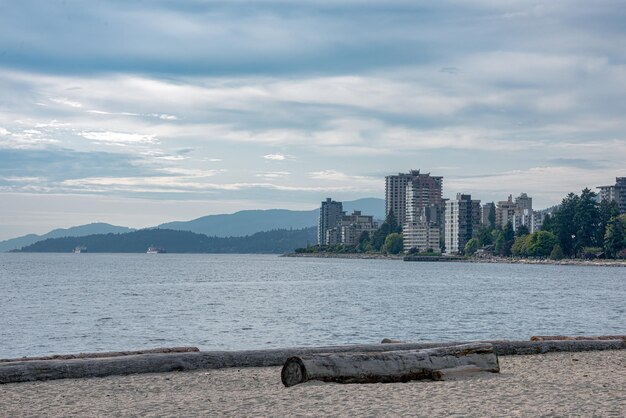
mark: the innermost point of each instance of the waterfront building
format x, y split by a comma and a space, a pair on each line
525, 217
518, 212
462, 218
342, 229
408, 193
333, 236
505, 210
615, 193
424, 232
330, 215
352, 226
485, 210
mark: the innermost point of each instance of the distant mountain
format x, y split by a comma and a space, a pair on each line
75, 231
248, 222
238, 224
276, 241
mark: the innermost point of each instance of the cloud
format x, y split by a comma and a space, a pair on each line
277, 157
119, 137
304, 79
166, 117
66, 102
273, 174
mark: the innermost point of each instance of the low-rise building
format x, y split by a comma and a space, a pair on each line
349, 228
352, 226
423, 233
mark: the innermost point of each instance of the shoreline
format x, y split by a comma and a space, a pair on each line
486, 260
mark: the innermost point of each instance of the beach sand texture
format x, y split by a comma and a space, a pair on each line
554, 384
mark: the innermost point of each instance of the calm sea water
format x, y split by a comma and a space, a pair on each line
67, 303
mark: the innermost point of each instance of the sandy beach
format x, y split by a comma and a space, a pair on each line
555, 384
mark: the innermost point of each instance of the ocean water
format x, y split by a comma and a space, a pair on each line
68, 303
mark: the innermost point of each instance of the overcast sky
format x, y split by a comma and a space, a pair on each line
141, 112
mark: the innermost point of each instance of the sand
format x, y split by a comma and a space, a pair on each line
555, 384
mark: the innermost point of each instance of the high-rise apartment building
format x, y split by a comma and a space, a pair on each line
485, 211
616, 193
462, 219
407, 193
505, 210
330, 215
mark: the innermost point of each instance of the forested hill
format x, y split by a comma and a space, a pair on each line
276, 241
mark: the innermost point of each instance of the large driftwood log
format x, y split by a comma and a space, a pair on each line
25, 371
388, 366
105, 354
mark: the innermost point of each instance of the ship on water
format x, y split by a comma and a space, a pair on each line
155, 250
78, 250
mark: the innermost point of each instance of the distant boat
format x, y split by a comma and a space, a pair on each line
78, 250
155, 250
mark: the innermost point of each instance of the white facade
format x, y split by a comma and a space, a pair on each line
421, 235
461, 218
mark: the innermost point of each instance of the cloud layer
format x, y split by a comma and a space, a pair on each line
270, 102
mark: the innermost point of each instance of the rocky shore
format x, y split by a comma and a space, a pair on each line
490, 260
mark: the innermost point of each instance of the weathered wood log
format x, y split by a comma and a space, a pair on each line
456, 372
391, 341
576, 338
24, 371
388, 366
106, 354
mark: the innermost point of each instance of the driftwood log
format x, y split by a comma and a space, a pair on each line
106, 354
25, 371
577, 338
388, 366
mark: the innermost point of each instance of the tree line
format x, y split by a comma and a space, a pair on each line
580, 227
276, 241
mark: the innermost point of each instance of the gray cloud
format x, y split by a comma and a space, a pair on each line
166, 99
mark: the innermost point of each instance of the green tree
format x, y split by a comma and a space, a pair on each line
509, 233
614, 237
492, 215
606, 210
471, 246
484, 236
363, 242
541, 244
556, 253
521, 245
393, 244
522, 230
563, 225
508, 237
498, 242
587, 220
389, 226
549, 224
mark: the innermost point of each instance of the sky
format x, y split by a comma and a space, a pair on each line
142, 112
